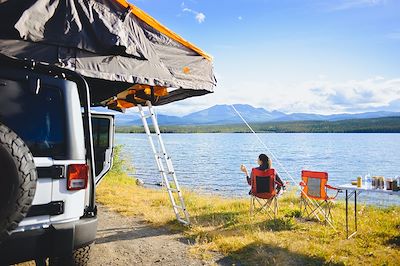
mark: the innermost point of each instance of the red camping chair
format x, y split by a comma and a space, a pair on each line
315, 201
263, 193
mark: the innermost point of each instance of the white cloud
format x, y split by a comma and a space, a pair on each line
320, 96
350, 4
199, 16
327, 97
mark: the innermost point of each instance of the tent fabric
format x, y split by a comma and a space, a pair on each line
161, 28
105, 40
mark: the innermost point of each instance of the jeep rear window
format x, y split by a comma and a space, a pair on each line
37, 118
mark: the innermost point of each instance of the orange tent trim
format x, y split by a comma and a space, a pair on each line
161, 28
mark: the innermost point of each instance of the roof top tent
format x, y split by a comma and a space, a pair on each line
124, 54
126, 57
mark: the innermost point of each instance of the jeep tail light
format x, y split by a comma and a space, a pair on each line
77, 176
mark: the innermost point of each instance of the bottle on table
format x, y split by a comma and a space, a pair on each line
396, 183
389, 184
368, 181
359, 181
383, 183
374, 182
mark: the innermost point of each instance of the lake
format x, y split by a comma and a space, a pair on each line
210, 163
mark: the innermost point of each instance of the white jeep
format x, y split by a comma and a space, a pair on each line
53, 153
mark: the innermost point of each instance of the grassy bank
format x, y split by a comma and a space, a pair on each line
225, 226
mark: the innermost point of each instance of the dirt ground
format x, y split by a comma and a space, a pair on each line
129, 241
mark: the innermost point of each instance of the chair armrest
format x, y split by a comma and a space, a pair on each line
333, 188
330, 187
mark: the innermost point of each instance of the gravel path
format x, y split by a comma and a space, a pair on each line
129, 241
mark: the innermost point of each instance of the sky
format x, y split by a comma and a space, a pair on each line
314, 56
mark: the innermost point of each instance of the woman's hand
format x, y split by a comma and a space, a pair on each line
243, 169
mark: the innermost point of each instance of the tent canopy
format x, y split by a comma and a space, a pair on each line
125, 54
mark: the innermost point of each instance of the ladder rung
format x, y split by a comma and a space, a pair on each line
147, 116
163, 171
183, 221
178, 207
173, 190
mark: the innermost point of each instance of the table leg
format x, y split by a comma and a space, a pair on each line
355, 210
356, 193
347, 215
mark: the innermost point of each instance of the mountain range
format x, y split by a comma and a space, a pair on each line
225, 114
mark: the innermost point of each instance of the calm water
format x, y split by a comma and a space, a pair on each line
210, 162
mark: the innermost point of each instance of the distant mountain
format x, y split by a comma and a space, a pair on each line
336, 117
224, 114
132, 119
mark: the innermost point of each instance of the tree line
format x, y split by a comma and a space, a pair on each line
371, 125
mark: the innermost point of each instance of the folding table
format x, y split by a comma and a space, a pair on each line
354, 191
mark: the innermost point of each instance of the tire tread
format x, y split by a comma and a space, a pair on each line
23, 159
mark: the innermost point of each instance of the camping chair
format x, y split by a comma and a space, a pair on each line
315, 201
263, 193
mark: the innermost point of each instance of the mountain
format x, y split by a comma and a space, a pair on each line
132, 119
217, 114
225, 114
335, 117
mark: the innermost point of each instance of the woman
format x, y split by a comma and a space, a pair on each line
264, 163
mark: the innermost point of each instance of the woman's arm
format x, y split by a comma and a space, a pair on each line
244, 170
249, 178
279, 181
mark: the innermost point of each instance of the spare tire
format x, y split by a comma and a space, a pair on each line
18, 178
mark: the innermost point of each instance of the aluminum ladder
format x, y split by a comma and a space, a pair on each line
164, 165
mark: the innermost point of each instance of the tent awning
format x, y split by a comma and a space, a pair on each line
114, 44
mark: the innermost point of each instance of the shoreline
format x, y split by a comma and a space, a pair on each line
364, 198
225, 226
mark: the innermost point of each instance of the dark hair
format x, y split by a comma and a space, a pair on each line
265, 160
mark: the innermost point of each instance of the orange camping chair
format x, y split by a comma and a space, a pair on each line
263, 193
315, 201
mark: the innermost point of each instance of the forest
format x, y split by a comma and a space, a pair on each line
372, 125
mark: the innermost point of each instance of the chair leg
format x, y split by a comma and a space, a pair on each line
301, 206
304, 207
329, 216
269, 206
311, 209
251, 205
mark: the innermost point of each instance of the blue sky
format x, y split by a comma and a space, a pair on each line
292, 55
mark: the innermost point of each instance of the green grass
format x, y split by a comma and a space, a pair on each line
224, 225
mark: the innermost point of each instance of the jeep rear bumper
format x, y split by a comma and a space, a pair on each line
57, 240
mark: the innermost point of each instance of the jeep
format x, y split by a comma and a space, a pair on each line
53, 153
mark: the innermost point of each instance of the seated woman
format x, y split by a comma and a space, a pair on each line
264, 163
